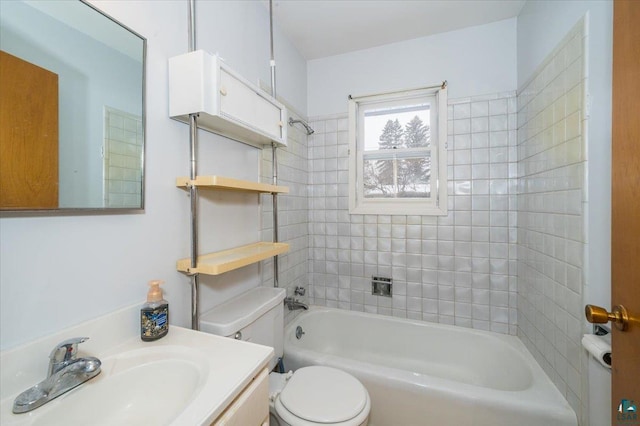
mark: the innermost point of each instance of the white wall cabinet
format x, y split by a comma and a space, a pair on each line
227, 104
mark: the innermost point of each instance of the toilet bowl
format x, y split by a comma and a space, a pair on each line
313, 396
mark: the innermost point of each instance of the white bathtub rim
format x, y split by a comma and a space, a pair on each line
506, 338
542, 394
457, 390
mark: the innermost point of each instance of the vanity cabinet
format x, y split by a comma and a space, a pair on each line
251, 407
227, 103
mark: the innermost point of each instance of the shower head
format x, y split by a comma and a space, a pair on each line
306, 126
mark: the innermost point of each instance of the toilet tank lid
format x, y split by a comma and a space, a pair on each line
237, 313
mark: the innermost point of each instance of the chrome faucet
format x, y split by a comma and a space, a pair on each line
294, 304
65, 373
64, 354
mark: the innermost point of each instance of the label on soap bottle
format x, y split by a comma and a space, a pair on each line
154, 322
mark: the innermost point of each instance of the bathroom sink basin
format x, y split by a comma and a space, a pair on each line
143, 386
185, 378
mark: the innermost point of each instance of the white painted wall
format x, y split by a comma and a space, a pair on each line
239, 33
541, 25
475, 61
59, 271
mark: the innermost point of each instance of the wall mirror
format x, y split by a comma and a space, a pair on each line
71, 109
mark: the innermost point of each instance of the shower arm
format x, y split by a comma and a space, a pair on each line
305, 125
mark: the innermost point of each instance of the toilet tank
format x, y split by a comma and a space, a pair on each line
256, 316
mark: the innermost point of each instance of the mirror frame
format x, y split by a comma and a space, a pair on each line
79, 211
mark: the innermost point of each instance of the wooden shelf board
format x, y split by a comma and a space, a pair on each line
224, 261
229, 184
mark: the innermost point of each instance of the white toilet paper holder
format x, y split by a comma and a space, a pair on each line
599, 347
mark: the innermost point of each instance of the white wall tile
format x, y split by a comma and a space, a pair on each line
440, 265
550, 218
479, 109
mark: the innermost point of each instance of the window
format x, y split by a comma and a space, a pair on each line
397, 153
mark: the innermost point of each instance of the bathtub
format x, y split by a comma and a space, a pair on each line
428, 374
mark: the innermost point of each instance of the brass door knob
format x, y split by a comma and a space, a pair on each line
597, 315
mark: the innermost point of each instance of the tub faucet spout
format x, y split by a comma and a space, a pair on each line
294, 304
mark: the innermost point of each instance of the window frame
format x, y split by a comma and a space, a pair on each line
434, 205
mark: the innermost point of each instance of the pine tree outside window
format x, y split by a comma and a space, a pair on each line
397, 155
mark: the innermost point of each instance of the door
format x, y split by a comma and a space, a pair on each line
28, 135
625, 232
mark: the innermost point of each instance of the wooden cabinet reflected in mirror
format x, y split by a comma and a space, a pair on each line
28, 135
72, 119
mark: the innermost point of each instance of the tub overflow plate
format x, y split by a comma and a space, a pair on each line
299, 332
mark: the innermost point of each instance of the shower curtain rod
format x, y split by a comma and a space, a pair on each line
442, 85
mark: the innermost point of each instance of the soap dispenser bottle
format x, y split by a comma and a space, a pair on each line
154, 315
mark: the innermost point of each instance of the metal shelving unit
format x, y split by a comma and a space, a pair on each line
224, 114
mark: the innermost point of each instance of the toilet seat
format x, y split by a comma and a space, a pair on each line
323, 396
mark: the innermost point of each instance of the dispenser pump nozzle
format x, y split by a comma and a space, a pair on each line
155, 292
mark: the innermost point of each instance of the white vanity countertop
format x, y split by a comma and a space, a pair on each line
225, 366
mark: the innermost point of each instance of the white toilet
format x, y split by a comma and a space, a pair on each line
310, 396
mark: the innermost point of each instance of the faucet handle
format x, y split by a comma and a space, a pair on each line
67, 350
